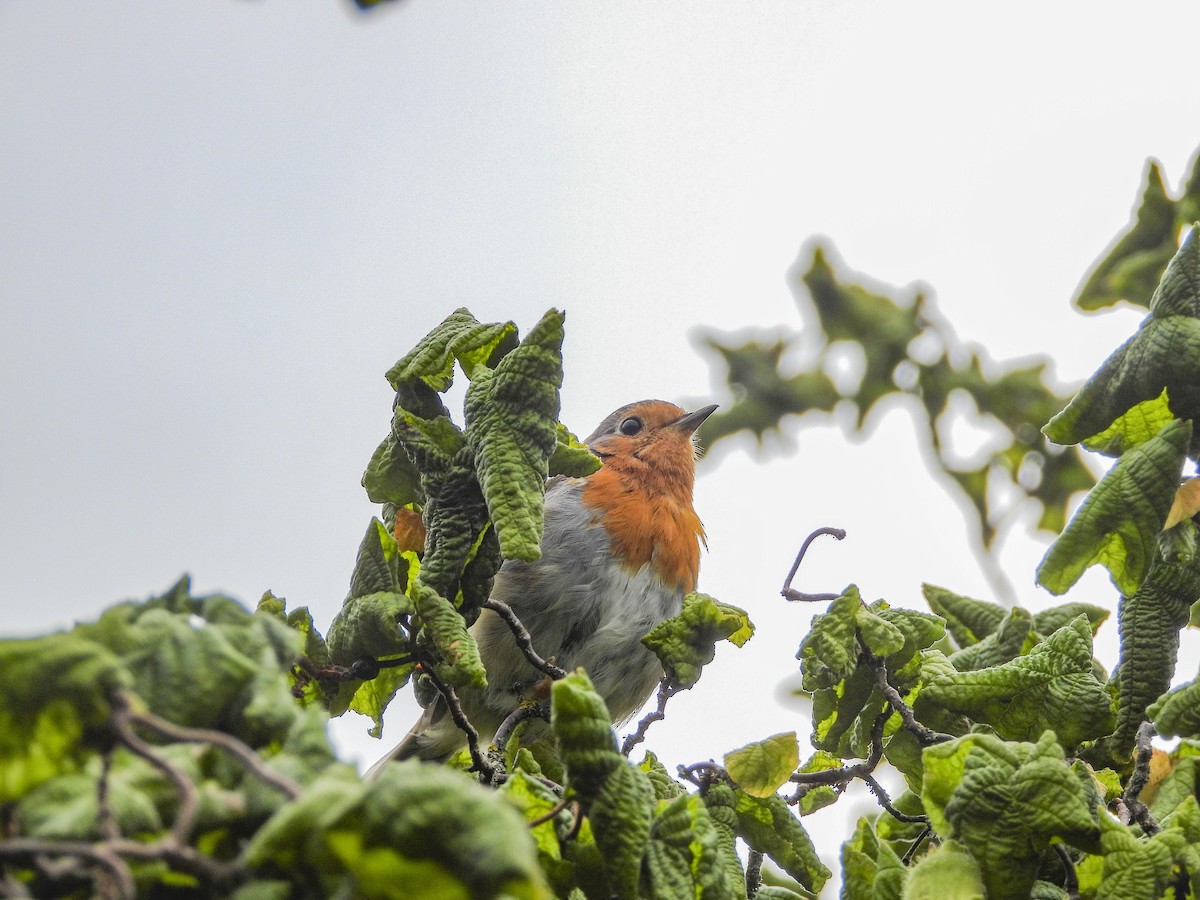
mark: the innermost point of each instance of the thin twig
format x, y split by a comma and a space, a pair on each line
515, 718
98, 854
106, 818
189, 797
227, 742
524, 639
1070, 878
551, 812
925, 736
485, 769
911, 852
1138, 811
754, 864
788, 592
711, 772
886, 802
666, 690
845, 774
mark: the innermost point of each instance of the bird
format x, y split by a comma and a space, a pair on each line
620, 549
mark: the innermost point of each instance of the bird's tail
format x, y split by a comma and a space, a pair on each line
433, 738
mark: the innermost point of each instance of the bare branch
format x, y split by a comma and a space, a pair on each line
666, 690
227, 742
552, 812
1070, 878
790, 594
189, 798
106, 819
925, 736
524, 639
911, 852
123, 885
886, 802
1138, 811
487, 772
753, 873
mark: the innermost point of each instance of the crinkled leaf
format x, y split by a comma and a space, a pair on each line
429, 366
1053, 687
441, 623
380, 565
616, 795
769, 826
390, 476
67, 807
870, 868
722, 810
54, 703
1177, 712
832, 641
1178, 291
1010, 640
687, 642
1135, 426
683, 858
1136, 869
969, 621
1050, 620
512, 416
369, 626
948, 872
571, 457
1150, 623
1005, 802
1119, 521
665, 787
762, 767
535, 799
413, 831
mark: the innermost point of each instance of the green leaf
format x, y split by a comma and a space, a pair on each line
415, 830
763, 767
571, 457
968, 621
1177, 712
1050, 620
1005, 802
429, 367
818, 796
946, 873
870, 868
768, 825
369, 626
616, 795
685, 643
380, 567
665, 787
1119, 521
1009, 641
1136, 869
722, 810
54, 707
1051, 688
390, 476
1150, 623
1129, 269
832, 644
512, 416
1135, 426
460, 664
683, 858
372, 697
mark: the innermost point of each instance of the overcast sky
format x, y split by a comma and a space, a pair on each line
224, 221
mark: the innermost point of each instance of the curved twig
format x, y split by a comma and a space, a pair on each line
189, 798
1138, 811
227, 742
524, 639
791, 594
98, 854
666, 690
515, 718
925, 736
487, 772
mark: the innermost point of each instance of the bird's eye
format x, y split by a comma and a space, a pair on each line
630, 426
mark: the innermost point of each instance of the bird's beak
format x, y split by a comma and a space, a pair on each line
690, 422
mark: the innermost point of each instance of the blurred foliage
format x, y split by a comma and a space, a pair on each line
903, 347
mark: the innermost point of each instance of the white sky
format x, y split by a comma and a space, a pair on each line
223, 221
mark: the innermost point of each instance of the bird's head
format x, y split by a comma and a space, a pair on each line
650, 442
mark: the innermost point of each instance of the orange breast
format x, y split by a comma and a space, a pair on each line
647, 525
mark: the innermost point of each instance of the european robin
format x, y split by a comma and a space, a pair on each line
620, 549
